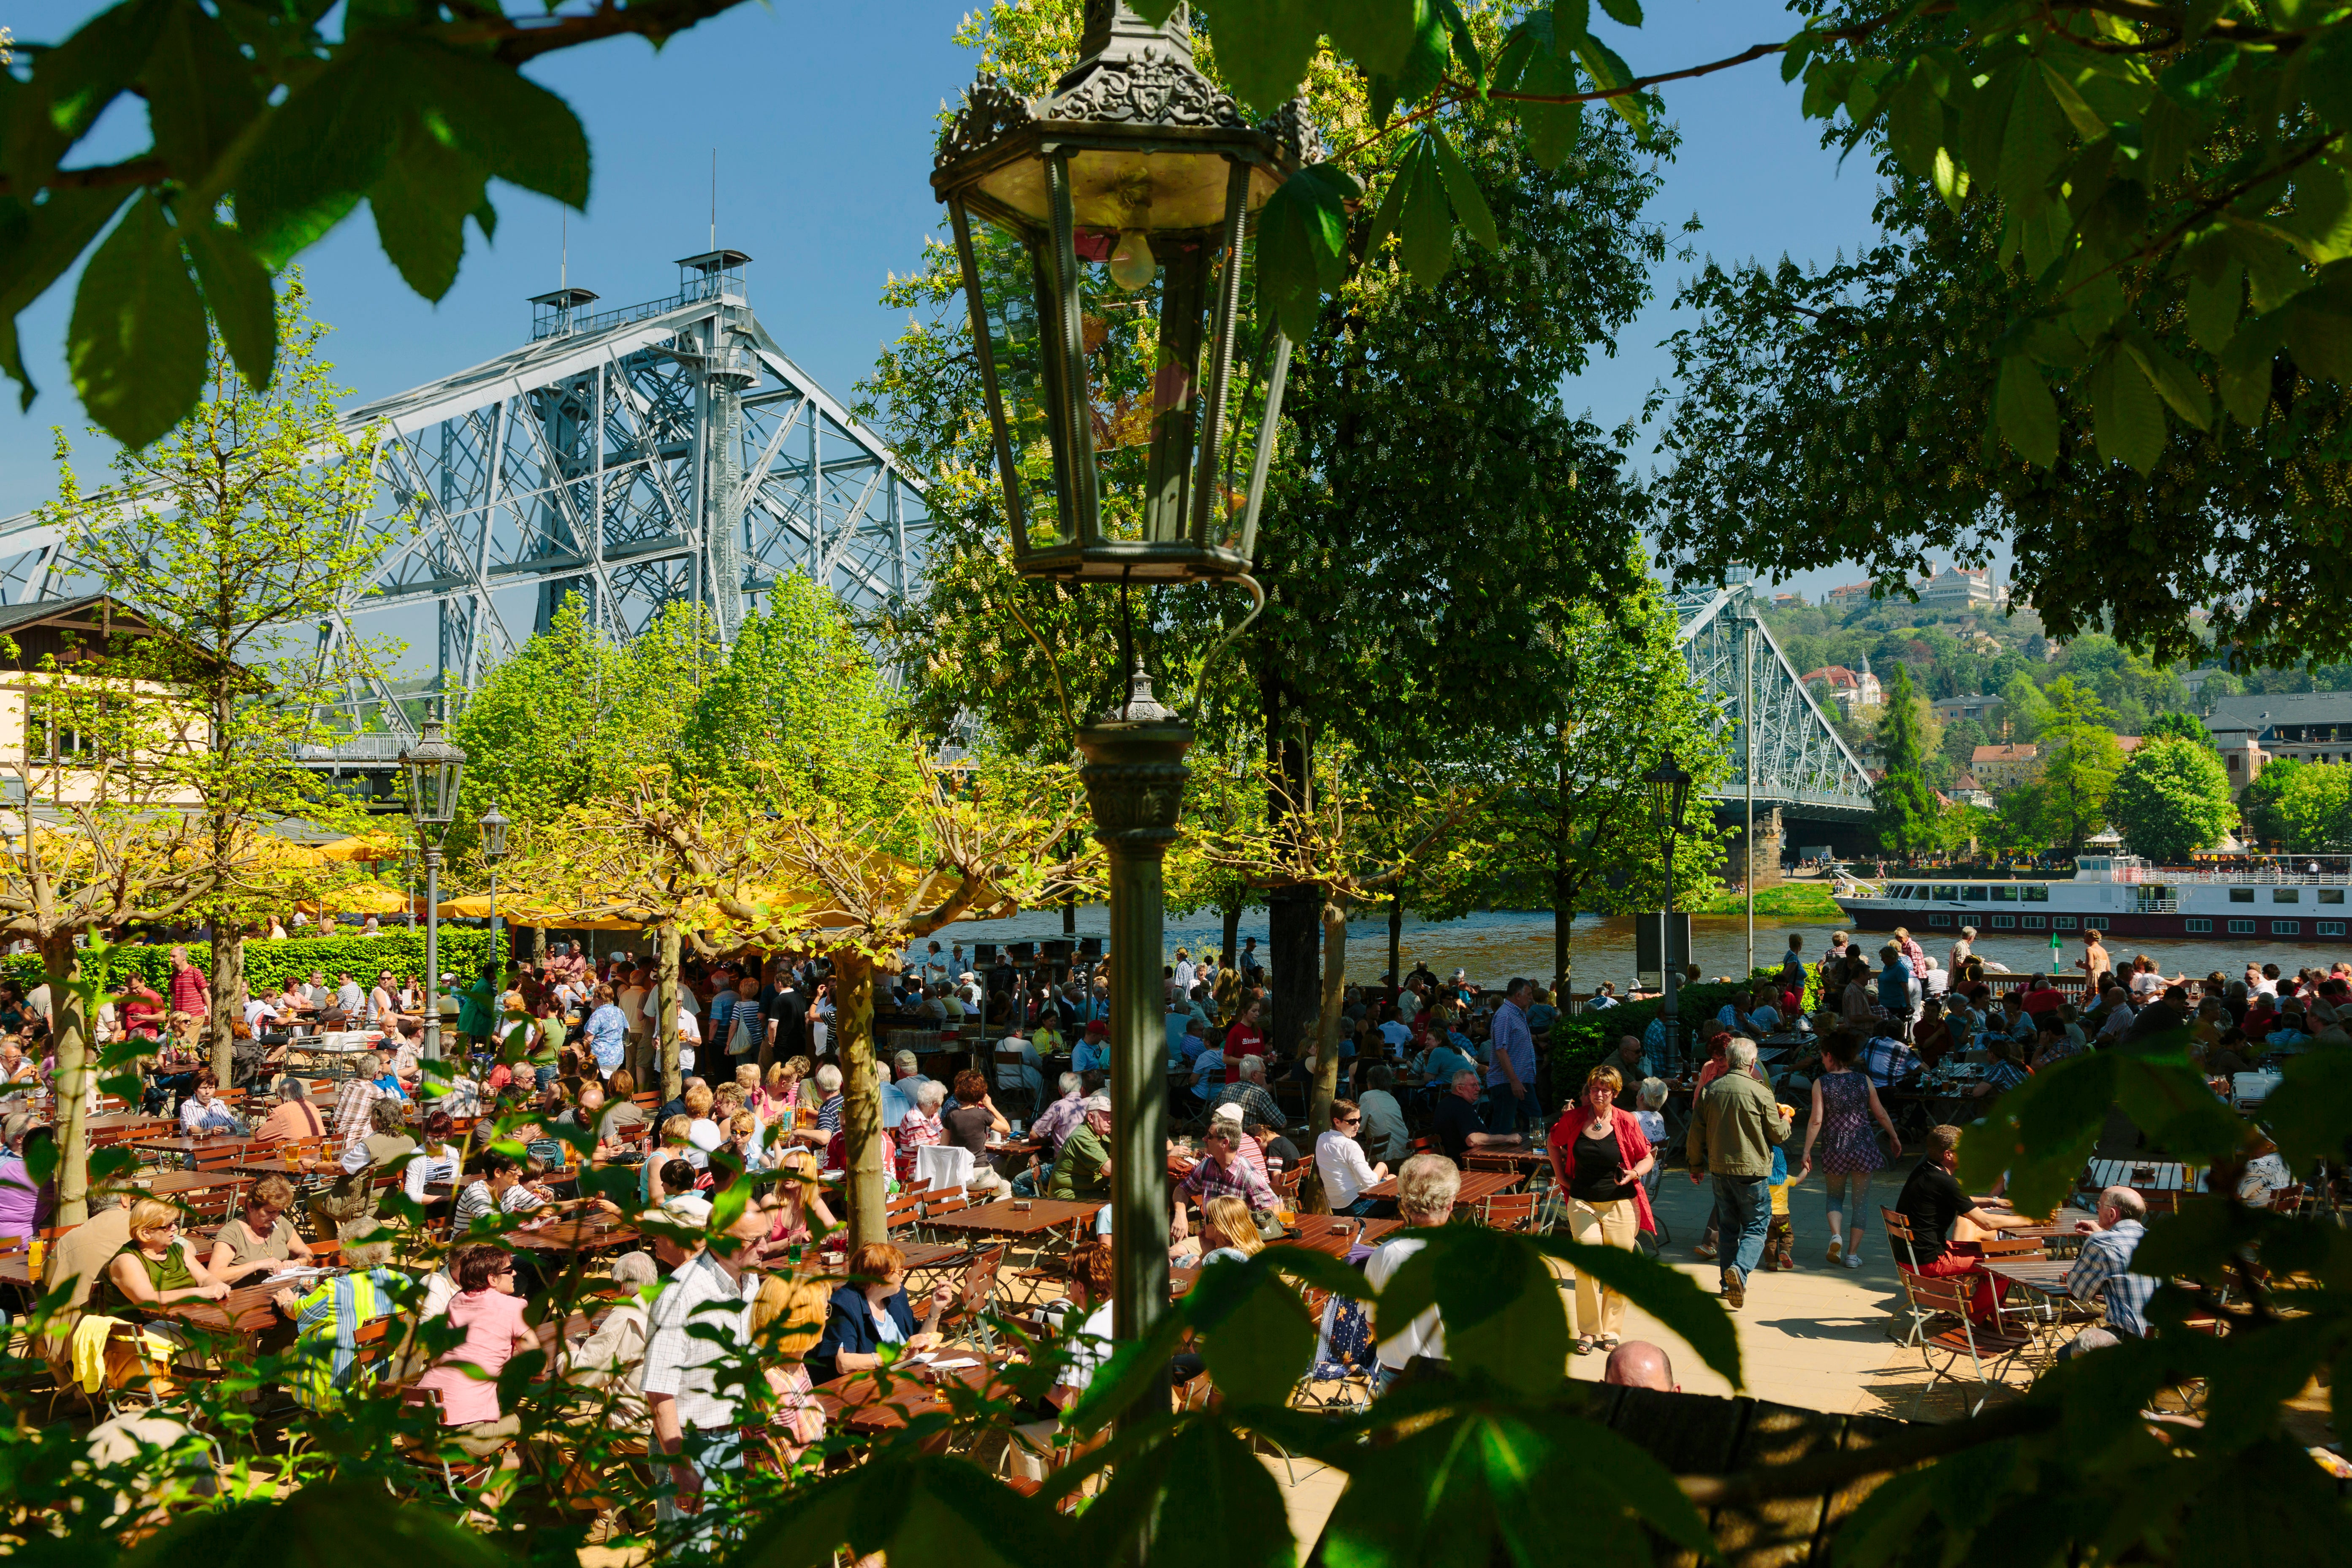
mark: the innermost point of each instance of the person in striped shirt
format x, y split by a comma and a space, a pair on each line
327, 1320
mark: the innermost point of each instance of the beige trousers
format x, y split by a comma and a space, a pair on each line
1598, 1311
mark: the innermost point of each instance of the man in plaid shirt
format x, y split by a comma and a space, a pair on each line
2102, 1273
1888, 1061
358, 1096
1221, 1173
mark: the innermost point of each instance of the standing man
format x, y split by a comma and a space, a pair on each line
1511, 1063
2095, 960
694, 1419
786, 1011
190, 1000
1734, 1127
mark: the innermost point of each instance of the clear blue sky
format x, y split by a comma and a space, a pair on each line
822, 117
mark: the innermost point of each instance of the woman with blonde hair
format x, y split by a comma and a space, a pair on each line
787, 1321
798, 1204
1599, 1160
156, 1267
1227, 1231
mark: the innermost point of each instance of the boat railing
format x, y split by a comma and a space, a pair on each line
2262, 876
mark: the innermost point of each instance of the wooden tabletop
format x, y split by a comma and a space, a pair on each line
16, 1268
1477, 1186
188, 1148
834, 1265
117, 1121
2163, 1175
1018, 1148
999, 1218
2046, 1275
247, 1311
575, 1236
865, 1404
165, 1183
1322, 1233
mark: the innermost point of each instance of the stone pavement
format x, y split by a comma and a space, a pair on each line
1817, 1337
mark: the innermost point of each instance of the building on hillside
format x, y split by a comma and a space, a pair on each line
1850, 595
2193, 681
1965, 790
1789, 602
2260, 728
1958, 587
2127, 744
49, 752
2004, 767
1848, 688
1977, 706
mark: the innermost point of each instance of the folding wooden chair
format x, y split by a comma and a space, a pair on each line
976, 1296
1899, 1241
1974, 1343
1508, 1211
903, 1212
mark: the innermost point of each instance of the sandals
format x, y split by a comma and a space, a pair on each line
1609, 1342
1585, 1344
1705, 1250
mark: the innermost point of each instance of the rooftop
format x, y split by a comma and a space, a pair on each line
2012, 751
2260, 710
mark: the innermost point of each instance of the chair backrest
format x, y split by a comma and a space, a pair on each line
1500, 1163
1511, 1211
1937, 1295
2013, 1247
220, 1158
1286, 1185
938, 1207
980, 1280
1899, 1239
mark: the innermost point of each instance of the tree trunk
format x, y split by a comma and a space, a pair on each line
1564, 927
665, 950
1229, 955
1396, 938
62, 959
1327, 1034
861, 1102
1291, 913
227, 1003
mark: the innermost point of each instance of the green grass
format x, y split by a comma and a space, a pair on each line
1789, 901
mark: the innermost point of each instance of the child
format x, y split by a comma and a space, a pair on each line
1779, 1234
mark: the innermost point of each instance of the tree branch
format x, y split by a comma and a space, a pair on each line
146, 171
1833, 1472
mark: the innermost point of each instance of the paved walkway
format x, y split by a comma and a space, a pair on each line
1816, 1337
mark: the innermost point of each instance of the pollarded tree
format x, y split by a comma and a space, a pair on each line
2080, 760
2181, 726
2171, 798
234, 536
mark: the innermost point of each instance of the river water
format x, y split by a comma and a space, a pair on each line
1495, 945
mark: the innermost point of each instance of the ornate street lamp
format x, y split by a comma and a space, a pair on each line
1110, 331
493, 827
1133, 401
435, 767
1669, 798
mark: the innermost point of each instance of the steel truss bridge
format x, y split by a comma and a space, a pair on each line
665, 453
1801, 767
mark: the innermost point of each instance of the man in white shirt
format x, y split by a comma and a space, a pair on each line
694, 1418
1426, 1189
1384, 1135
1023, 1075
1186, 975
1339, 1162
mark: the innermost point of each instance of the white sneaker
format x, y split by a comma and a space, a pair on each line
1853, 1260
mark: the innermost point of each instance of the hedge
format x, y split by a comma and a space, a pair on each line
1577, 1043
268, 963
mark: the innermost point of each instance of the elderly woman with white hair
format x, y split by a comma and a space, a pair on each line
613, 1359
920, 1128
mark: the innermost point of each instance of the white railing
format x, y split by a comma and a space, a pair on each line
2155, 906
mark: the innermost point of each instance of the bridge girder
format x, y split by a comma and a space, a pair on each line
1802, 767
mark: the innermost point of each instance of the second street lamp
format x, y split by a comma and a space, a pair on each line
435, 767
1669, 798
1132, 405
493, 827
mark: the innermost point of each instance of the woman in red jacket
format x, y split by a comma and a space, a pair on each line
1598, 1159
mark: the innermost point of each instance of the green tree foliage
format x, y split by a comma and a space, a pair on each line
2180, 727
2020, 823
2258, 801
2023, 710
236, 535
1909, 816
1961, 739
1569, 828
2314, 810
799, 707
2080, 761
2172, 797
568, 718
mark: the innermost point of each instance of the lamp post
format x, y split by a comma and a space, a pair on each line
1669, 797
1104, 289
434, 766
494, 849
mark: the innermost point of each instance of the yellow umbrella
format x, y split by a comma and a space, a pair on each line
366, 847
360, 899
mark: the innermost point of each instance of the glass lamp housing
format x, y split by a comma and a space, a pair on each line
435, 767
1102, 232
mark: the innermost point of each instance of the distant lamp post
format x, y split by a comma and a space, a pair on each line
434, 767
1133, 427
1669, 799
493, 827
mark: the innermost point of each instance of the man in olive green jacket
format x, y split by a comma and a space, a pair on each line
1082, 1169
1733, 1130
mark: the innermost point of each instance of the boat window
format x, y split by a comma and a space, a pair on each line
1976, 895
2331, 895
2242, 895
2286, 895
2037, 893
1947, 892
2005, 894
1902, 890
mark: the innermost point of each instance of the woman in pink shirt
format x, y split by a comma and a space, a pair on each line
491, 1315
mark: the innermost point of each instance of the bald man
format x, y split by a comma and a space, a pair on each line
1637, 1364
